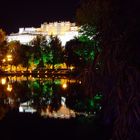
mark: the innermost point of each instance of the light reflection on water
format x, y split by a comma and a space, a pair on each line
49, 97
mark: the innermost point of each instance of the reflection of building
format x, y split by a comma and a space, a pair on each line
26, 107
64, 30
63, 112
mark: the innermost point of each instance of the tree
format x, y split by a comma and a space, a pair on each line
39, 45
88, 37
56, 50
71, 57
14, 48
81, 50
25, 54
116, 70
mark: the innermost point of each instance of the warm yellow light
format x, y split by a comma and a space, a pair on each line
71, 68
3, 81
64, 86
9, 88
3, 60
9, 57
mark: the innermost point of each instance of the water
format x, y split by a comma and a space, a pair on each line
49, 107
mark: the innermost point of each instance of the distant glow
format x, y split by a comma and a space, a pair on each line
71, 67
64, 86
9, 88
3, 81
3, 60
9, 57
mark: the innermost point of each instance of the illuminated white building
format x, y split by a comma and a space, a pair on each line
64, 30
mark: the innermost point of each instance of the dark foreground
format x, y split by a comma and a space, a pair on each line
32, 127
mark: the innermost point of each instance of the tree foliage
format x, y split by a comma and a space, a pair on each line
56, 50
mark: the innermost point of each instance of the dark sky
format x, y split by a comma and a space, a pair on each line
28, 13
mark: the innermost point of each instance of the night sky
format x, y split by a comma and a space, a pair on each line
31, 13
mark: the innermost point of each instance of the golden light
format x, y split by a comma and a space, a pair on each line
3, 60
3, 81
71, 67
9, 57
64, 86
9, 88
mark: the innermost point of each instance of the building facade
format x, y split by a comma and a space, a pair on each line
64, 30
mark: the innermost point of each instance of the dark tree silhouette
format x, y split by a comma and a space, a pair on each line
115, 72
71, 57
25, 55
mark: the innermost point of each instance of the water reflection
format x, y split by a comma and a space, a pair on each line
50, 97
26, 107
62, 112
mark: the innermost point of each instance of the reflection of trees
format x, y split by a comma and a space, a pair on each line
44, 93
19, 93
3, 110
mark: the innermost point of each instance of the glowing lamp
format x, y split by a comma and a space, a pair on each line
64, 86
9, 88
3, 81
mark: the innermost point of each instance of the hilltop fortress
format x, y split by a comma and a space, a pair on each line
64, 30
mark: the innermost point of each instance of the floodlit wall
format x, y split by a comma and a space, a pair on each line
64, 30
22, 38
